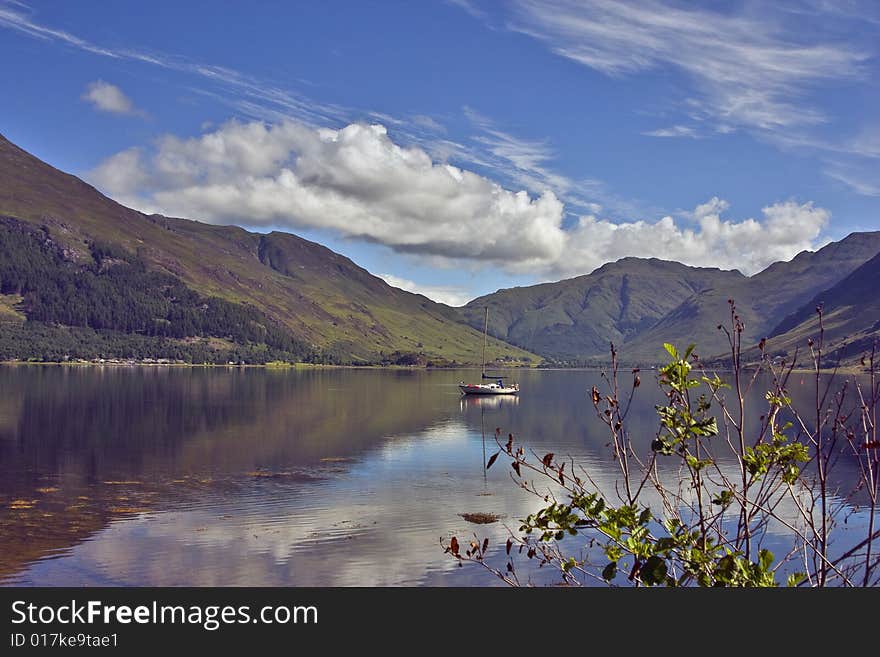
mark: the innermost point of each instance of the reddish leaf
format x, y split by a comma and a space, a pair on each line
515, 466
595, 395
874, 444
453, 546
547, 460
509, 446
485, 545
509, 545
637, 567
492, 460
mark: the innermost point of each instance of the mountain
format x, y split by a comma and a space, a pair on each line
277, 284
639, 304
762, 300
577, 319
850, 318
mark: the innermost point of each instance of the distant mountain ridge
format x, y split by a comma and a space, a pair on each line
850, 318
638, 304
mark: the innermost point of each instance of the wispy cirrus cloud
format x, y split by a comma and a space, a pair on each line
15, 16
859, 180
528, 163
525, 161
746, 71
470, 7
429, 123
673, 131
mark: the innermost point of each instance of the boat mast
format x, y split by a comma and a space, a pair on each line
485, 334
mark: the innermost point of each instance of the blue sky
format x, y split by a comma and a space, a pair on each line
456, 147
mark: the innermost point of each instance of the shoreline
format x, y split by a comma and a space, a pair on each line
846, 370
266, 366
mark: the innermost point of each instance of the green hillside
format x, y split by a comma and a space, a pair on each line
317, 298
850, 319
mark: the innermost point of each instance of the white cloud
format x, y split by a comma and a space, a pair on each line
355, 181
107, 97
124, 175
469, 6
448, 294
856, 179
522, 160
748, 245
866, 143
673, 131
359, 183
748, 70
428, 123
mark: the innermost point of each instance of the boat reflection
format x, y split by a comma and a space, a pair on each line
488, 401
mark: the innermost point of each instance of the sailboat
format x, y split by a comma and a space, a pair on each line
498, 386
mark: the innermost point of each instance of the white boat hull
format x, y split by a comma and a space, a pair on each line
487, 389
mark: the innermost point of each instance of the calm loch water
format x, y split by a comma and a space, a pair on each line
178, 476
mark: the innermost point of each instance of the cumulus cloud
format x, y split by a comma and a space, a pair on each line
124, 175
448, 294
357, 182
106, 97
749, 245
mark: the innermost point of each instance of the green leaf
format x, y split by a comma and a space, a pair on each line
654, 571
610, 571
723, 499
765, 559
795, 578
671, 350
